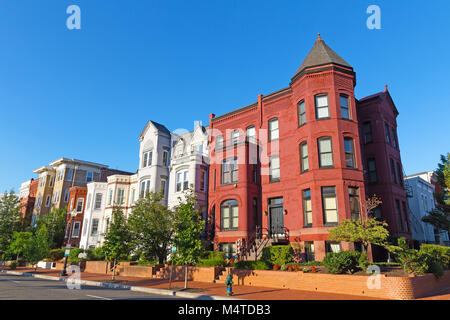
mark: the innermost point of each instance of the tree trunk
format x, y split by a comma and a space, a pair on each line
185, 276
114, 271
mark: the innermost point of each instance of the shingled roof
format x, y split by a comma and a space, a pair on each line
321, 54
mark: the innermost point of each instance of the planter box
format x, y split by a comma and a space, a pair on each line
399, 288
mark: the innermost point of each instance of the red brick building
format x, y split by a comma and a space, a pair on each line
77, 203
291, 165
28, 200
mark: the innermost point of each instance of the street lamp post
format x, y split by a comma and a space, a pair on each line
66, 256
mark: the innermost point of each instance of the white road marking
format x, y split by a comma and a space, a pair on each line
98, 297
14, 281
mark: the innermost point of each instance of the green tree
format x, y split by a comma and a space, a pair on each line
9, 220
439, 217
55, 222
117, 239
188, 228
369, 231
19, 243
37, 247
151, 225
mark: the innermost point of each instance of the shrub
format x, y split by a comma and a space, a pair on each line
418, 261
277, 255
96, 254
251, 265
56, 254
73, 256
440, 253
436, 268
276, 267
363, 262
145, 262
215, 262
213, 255
342, 262
13, 265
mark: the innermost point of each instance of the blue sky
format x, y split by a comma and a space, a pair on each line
88, 93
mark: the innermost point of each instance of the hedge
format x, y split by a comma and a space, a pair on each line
440, 253
278, 255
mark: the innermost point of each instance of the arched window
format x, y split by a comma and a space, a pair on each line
229, 212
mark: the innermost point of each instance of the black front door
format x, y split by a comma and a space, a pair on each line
276, 219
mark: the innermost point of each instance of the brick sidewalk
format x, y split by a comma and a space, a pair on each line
216, 289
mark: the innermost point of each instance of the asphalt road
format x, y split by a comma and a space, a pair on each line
28, 288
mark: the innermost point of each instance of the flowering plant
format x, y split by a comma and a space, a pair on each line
276, 267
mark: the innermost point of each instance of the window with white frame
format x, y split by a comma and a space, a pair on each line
322, 110
219, 142
273, 130
235, 137
56, 197
329, 203
42, 181
80, 202
145, 187
274, 166
345, 111
301, 113
98, 201
251, 134
229, 215
304, 163
182, 180
60, 174
94, 228
325, 152
52, 181
229, 171
120, 196
307, 209
47, 201
165, 158
76, 230
147, 159
349, 153
110, 197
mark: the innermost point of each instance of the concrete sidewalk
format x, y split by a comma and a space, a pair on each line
197, 290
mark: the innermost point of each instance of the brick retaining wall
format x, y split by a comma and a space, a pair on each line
399, 288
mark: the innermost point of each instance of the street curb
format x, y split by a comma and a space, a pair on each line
165, 292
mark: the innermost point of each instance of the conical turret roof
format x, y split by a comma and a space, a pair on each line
321, 54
